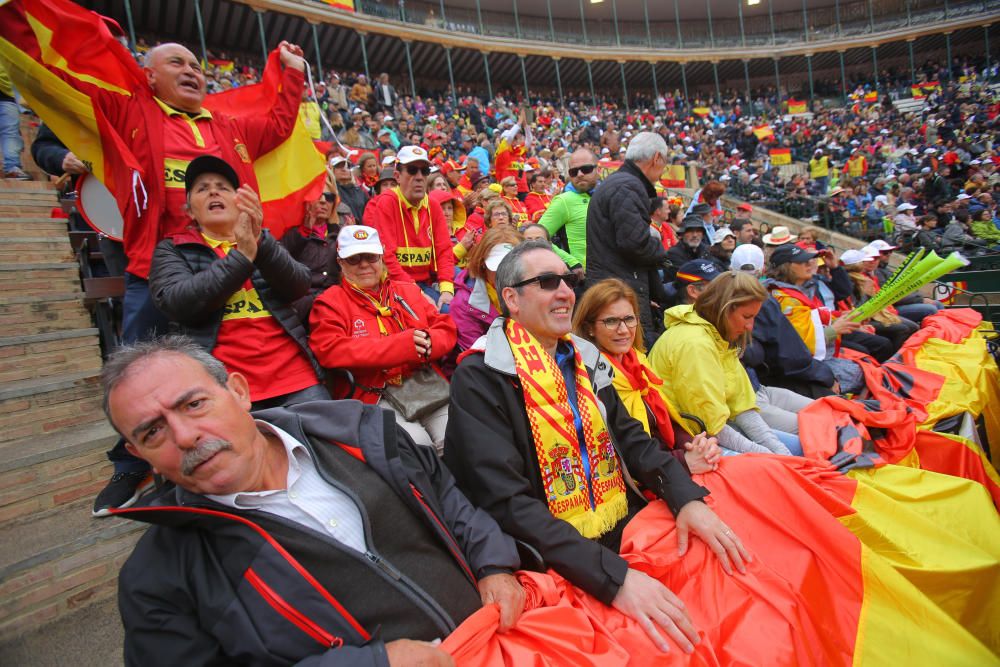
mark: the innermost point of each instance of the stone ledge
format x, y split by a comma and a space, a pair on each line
6, 341
40, 386
32, 450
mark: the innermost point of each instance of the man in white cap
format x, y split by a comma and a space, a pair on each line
416, 236
905, 218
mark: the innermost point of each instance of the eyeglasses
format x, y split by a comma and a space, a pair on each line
550, 281
413, 170
366, 257
582, 169
329, 197
613, 323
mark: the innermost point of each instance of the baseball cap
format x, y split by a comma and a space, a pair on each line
450, 166
906, 207
696, 271
789, 252
209, 164
496, 255
881, 246
358, 239
747, 257
721, 234
871, 252
852, 257
411, 154
745, 207
338, 160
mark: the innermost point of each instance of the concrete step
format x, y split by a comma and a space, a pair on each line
34, 249
89, 636
55, 278
26, 314
41, 406
11, 227
44, 355
59, 561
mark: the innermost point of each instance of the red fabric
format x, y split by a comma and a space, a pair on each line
642, 378
776, 614
952, 325
536, 204
519, 211
941, 454
386, 214
892, 382
509, 161
344, 333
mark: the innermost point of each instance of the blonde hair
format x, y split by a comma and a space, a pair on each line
726, 292
510, 180
599, 297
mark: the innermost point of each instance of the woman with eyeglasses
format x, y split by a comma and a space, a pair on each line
380, 330
698, 356
497, 212
606, 316
476, 303
313, 243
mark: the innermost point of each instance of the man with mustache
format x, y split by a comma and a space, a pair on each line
315, 534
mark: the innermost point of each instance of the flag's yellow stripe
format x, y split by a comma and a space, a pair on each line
931, 569
68, 112
289, 167
55, 59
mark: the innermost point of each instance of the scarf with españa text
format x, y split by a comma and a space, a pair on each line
582, 476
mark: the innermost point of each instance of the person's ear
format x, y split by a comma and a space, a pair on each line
509, 297
240, 388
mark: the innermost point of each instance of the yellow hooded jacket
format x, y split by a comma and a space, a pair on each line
702, 373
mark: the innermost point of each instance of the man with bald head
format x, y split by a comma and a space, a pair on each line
164, 123
569, 208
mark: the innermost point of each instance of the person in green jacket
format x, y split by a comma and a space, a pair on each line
569, 208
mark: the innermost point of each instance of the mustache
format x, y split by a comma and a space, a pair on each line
206, 450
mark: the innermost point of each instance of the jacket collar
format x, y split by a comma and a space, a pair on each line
479, 297
630, 167
499, 357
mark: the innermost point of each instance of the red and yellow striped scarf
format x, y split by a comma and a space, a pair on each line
592, 503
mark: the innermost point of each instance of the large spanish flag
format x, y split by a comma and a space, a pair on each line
796, 106
871, 97
763, 132
876, 567
673, 176
347, 5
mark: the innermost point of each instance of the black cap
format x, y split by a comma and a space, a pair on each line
696, 271
701, 209
387, 174
789, 252
692, 221
209, 164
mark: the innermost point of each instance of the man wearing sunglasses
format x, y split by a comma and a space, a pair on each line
413, 229
619, 242
538, 437
569, 209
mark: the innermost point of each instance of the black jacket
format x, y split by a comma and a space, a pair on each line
319, 254
490, 450
191, 285
48, 151
780, 357
354, 196
619, 242
208, 585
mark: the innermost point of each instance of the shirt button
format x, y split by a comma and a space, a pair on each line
292, 494
333, 523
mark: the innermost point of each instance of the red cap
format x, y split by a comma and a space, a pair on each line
744, 207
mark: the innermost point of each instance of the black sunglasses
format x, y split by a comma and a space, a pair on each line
583, 169
329, 197
550, 281
366, 257
413, 169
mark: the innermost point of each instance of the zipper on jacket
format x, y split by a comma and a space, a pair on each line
453, 545
384, 565
293, 615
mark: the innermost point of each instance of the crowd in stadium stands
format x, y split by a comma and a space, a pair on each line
438, 275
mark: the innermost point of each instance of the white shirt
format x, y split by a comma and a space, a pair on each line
307, 498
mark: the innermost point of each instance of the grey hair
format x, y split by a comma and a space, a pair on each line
118, 365
644, 146
511, 269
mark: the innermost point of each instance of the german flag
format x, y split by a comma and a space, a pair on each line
763, 132
780, 156
868, 568
796, 106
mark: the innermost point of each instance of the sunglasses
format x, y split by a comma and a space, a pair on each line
329, 197
413, 170
583, 169
550, 281
366, 257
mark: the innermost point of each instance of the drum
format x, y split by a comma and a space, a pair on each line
98, 207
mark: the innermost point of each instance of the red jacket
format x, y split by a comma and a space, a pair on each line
345, 333
415, 250
536, 204
139, 121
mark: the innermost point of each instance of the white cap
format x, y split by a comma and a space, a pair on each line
822, 128
389, 160
853, 257
387, 118
818, 151
871, 252
709, 133
725, 177
593, 119
963, 196
925, 170
906, 207
605, 151
690, 149
883, 131
882, 199
976, 162
881, 246
734, 167
411, 154
721, 234
746, 255
497, 253
338, 160
720, 142
930, 151
358, 239
753, 177
357, 110
855, 142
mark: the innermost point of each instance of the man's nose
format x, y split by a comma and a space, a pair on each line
185, 432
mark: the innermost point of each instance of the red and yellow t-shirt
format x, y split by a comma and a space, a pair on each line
253, 343
185, 137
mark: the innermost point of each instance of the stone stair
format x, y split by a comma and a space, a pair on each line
55, 559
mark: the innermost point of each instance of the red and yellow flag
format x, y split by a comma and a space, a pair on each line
796, 106
673, 176
763, 132
701, 111
780, 156
222, 65
347, 5
871, 97
917, 92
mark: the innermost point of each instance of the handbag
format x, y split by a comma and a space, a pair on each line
418, 395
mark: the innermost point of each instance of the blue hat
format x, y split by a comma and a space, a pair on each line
696, 271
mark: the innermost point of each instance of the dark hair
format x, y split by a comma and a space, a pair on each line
118, 365
510, 272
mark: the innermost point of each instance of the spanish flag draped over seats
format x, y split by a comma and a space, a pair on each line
893, 566
49, 45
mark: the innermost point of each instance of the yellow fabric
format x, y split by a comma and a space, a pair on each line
930, 559
856, 167
309, 114
244, 303
291, 166
800, 315
972, 381
701, 373
632, 399
819, 167
6, 87
592, 503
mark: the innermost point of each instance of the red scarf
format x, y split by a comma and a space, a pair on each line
647, 383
